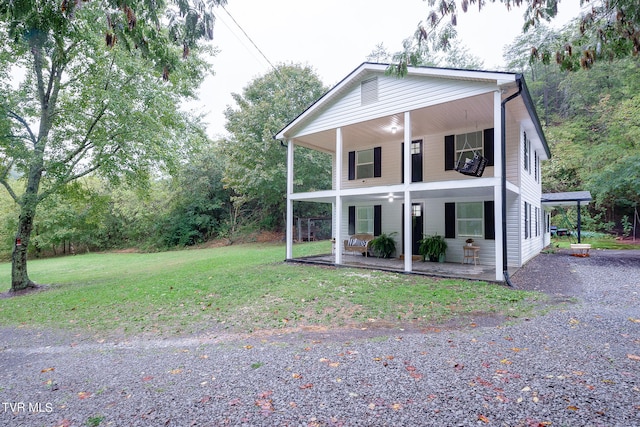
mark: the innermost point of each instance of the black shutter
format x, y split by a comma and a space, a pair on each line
352, 165
449, 152
352, 220
488, 146
402, 163
526, 220
489, 221
450, 220
377, 220
377, 162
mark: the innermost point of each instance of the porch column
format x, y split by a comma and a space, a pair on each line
408, 228
338, 204
290, 152
497, 189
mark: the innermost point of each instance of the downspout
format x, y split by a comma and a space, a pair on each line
503, 142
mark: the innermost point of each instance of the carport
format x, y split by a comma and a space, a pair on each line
570, 198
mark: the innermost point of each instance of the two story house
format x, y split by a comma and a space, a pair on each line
398, 146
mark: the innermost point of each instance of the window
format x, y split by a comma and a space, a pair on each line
454, 145
369, 91
364, 219
364, 164
535, 162
537, 221
470, 218
467, 145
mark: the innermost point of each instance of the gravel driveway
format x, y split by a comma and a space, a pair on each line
575, 364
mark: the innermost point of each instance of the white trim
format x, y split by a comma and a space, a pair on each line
290, 172
337, 195
408, 229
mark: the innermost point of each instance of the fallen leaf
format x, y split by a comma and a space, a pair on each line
147, 378
296, 376
483, 418
633, 357
324, 360
526, 389
515, 349
175, 371
410, 368
372, 406
377, 359
578, 373
84, 395
634, 320
293, 404
396, 406
572, 408
205, 399
506, 362
306, 386
416, 375
574, 321
47, 370
248, 347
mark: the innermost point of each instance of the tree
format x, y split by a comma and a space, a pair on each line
256, 163
92, 100
610, 29
204, 211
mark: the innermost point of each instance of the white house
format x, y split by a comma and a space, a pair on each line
395, 145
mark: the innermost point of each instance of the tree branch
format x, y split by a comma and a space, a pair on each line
24, 123
6, 185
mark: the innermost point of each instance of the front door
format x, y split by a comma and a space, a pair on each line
417, 220
416, 161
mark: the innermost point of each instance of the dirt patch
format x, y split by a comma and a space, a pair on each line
28, 291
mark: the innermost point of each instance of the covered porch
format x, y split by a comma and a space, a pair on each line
453, 270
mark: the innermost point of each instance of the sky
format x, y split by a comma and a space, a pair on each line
334, 37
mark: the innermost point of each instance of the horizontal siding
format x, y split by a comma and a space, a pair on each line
394, 96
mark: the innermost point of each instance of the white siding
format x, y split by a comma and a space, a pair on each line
394, 96
531, 193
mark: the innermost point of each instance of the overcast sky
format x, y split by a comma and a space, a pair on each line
334, 37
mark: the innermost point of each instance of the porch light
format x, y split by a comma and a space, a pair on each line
394, 129
390, 198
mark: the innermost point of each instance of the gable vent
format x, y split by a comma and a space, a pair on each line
369, 91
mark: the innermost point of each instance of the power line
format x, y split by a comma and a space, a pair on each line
249, 38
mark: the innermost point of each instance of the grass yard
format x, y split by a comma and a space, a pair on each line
239, 288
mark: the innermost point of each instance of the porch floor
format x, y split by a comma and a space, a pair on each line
485, 273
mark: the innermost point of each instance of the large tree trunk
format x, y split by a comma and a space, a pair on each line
19, 277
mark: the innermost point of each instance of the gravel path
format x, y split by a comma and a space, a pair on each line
576, 364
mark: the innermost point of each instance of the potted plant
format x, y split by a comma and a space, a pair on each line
383, 246
434, 247
469, 242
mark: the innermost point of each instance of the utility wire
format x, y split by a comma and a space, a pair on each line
249, 38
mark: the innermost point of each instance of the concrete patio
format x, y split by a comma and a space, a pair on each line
486, 273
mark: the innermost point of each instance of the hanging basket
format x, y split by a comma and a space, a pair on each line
472, 167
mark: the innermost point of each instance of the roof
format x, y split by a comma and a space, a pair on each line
568, 198
499, 77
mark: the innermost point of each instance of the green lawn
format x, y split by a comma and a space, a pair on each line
596, 242
236, 288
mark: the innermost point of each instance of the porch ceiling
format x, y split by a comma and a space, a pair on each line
471, 112
425, 121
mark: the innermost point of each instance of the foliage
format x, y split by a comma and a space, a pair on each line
202, 206
432, 247
607, 31
91, 100
384, 245
237, 288
256, 163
